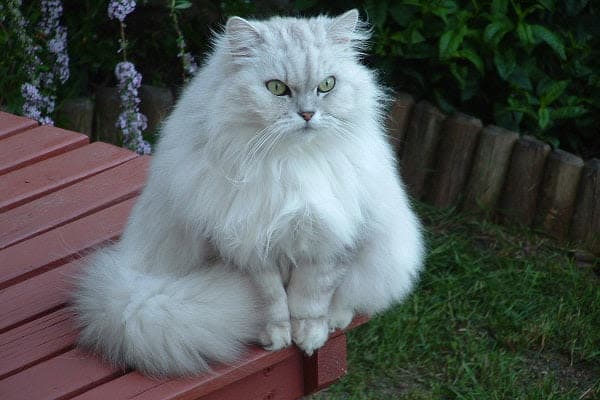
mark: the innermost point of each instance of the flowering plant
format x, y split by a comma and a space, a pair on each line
39, 91
131, 122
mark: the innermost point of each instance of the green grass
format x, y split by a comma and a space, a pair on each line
500, 313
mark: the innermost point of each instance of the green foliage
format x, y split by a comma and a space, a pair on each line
529, 66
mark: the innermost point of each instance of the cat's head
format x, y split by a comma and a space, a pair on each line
301, 76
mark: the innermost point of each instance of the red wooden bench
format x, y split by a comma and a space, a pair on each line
61, 196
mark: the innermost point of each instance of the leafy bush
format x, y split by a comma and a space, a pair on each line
529, 66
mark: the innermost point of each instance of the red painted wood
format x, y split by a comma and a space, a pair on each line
37, 144
57, 378
33, 181
326, 365
134, 385
73, 202
37, 340
278, 382
12, 124
60, 245
37, 296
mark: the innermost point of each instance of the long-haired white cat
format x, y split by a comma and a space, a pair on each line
273, 212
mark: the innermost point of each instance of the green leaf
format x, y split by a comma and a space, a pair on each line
496, 30
416, 37
540, 33
543, 117
568, 112
451, 41
182, 4
520, 79
525, 34
553, 92
473, 57
505, 62
460, 74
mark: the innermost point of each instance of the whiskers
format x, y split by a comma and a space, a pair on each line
257, 149
341, 128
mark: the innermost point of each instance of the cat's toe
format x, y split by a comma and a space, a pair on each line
276, 335
310, 334
340, 319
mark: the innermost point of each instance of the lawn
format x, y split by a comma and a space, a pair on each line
500, 313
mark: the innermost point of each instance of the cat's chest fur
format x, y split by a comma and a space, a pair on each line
304, 210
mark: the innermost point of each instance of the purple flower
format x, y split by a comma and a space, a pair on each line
119, 9
189, 64
131, 121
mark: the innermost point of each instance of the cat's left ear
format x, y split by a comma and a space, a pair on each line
241, 36
343, 28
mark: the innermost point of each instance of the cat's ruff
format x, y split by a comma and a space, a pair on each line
272, 214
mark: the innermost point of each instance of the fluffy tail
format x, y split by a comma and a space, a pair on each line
163, 325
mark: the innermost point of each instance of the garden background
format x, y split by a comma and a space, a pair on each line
528, 66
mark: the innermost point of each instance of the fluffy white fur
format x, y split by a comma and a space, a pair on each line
256, 225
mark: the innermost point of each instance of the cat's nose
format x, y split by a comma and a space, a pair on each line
306, 115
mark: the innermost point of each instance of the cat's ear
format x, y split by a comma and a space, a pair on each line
241, 36
343, 28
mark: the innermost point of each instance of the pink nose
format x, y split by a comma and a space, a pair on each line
306, 115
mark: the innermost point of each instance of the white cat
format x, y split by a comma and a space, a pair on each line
273, 212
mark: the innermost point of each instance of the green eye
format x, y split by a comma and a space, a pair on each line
277, 87
327, 84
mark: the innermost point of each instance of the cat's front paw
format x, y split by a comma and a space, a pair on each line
310, 333
276, 335
340, 319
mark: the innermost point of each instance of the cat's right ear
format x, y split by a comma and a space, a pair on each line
241, 36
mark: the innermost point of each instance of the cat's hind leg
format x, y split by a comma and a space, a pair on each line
382, 273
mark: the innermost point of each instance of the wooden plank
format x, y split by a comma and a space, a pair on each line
76, 201
490, 164
37, 144
279, 381
11, 124
326, 366
134, 385
36, 341
57, 378
523, 179
33, 181
460, 133
418, 151
399, 118
558, 193
40, 295
585, 226
257, 361
58, 246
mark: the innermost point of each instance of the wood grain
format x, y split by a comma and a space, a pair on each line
36, 144
76, 201
33, 181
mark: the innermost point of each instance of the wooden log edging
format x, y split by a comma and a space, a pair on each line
460, 134
521, 187
490, 163
585, 226
453, 162
558, 193
418, 150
